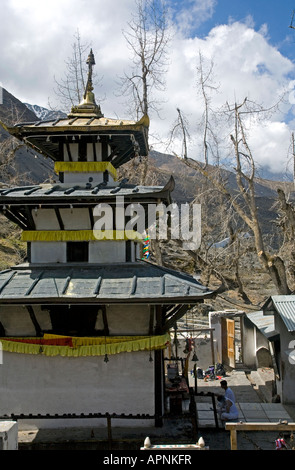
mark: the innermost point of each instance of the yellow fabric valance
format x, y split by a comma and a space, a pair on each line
85, 167
79, 235
81, 347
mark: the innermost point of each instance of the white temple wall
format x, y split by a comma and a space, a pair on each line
16, 321
90, 153
75, 219
74, 150
76, 177
107, 251
100, 251
45, 219
48, 252
36, 384
128, 319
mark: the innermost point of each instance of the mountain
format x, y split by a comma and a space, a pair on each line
27, 167
44, 114
12, 110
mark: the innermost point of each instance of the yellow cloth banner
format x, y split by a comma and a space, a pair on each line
85, 167
82, 347
79, 235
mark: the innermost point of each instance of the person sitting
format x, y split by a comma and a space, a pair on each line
228, 393
229, 410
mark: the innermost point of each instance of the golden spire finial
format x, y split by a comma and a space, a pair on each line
88, 106
91, 62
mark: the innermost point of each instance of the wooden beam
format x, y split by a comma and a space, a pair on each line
105, 321
31, 222
235, 427
34, 320
280, 426
94, 151
151, 322
158, 387
10, 216
176, 316
159, 320
69, 151
59, 218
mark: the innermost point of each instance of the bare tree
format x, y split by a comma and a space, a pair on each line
180, 129
70, 88
9, 172
147, 37
205, 85
244, 201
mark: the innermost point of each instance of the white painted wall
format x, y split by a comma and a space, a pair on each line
100, 251
45, 219
107, 251
75, 219
249, 343
77, 177
39, 384
74, 147
16, 321
90, 154
48, 252
128, 319
285, 386
8, 435
215, 322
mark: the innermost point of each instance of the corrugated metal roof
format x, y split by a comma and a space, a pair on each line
285, 306
132, 282
264, 323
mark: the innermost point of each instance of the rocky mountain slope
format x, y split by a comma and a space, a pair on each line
44, 114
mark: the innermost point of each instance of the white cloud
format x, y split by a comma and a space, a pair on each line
192, 14
271, 144
245, 65
36, 38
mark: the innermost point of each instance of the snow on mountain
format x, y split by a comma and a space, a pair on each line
44, 114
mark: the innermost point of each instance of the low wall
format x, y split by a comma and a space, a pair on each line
36, 384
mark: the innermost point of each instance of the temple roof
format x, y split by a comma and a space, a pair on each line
84, 283
68, 193
126, 138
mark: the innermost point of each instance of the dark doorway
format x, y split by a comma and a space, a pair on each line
77, 252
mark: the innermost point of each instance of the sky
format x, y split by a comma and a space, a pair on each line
249, 42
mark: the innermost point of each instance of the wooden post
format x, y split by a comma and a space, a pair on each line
212, 347
158, 371
215, 411
109, 422
233, 439
196, 379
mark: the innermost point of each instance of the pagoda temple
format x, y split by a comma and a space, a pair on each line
85, 320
